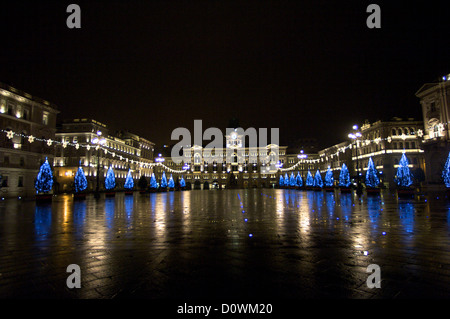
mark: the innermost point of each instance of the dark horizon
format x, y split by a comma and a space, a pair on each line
312, 69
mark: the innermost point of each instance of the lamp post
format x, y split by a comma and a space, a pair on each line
354, 136
98, 141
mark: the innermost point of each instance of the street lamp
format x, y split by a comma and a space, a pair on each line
98, 141
354, 136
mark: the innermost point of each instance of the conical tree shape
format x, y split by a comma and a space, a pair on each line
153, 183
292, 181
318, 179
446, 172
182, 182
44, 180
372, 179
281, 181
171, 183
329, 179
403, 177
129, 182
309, 179
344, 177
110, 180
80, 181
163, 180
299, 180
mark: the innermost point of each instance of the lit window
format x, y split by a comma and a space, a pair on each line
45, 118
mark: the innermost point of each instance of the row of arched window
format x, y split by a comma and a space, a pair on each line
398, 131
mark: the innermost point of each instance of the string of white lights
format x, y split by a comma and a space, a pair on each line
361, 142
31, 139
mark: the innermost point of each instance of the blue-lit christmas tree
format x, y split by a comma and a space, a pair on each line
329, 179
182, 182
372, 180
171, 183
318, 182
129, 182
344, 177
309, 180
299, 180
163, 181
110, 180
80, 181
403, 177
153, 183
281, 181
292, 181
44, 180
446, 172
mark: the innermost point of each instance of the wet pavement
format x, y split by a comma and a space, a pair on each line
255, 243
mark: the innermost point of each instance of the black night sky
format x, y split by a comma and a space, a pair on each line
311, 68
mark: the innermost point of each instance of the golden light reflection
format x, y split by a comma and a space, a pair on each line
66, 219
160, 217
279, 208
304, 217
186, 213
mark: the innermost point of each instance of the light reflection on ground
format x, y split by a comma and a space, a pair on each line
231, 243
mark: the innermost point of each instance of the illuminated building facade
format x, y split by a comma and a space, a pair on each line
434, 99
384, 142
29, 120
235, 165
122, 151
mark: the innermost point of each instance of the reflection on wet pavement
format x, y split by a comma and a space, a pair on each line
236, 243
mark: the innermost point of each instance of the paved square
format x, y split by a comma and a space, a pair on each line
255, 243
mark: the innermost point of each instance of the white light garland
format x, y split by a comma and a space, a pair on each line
10, 135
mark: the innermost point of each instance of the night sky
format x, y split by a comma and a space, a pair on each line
311, 68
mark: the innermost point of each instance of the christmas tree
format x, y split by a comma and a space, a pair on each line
318, 180
372, 179
129, 183
329, 179
299, 180
403, 177
292, 181
446, 172
153, 183
182, 182
164, 180
171, 182
80, 181
44, 180
309, 179
110, 180
344, 177
281, 181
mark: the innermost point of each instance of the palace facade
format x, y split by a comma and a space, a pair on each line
26, 121
96, 149
234, 165
384, 142
435, 99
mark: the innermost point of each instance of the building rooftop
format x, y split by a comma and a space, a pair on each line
5, 89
